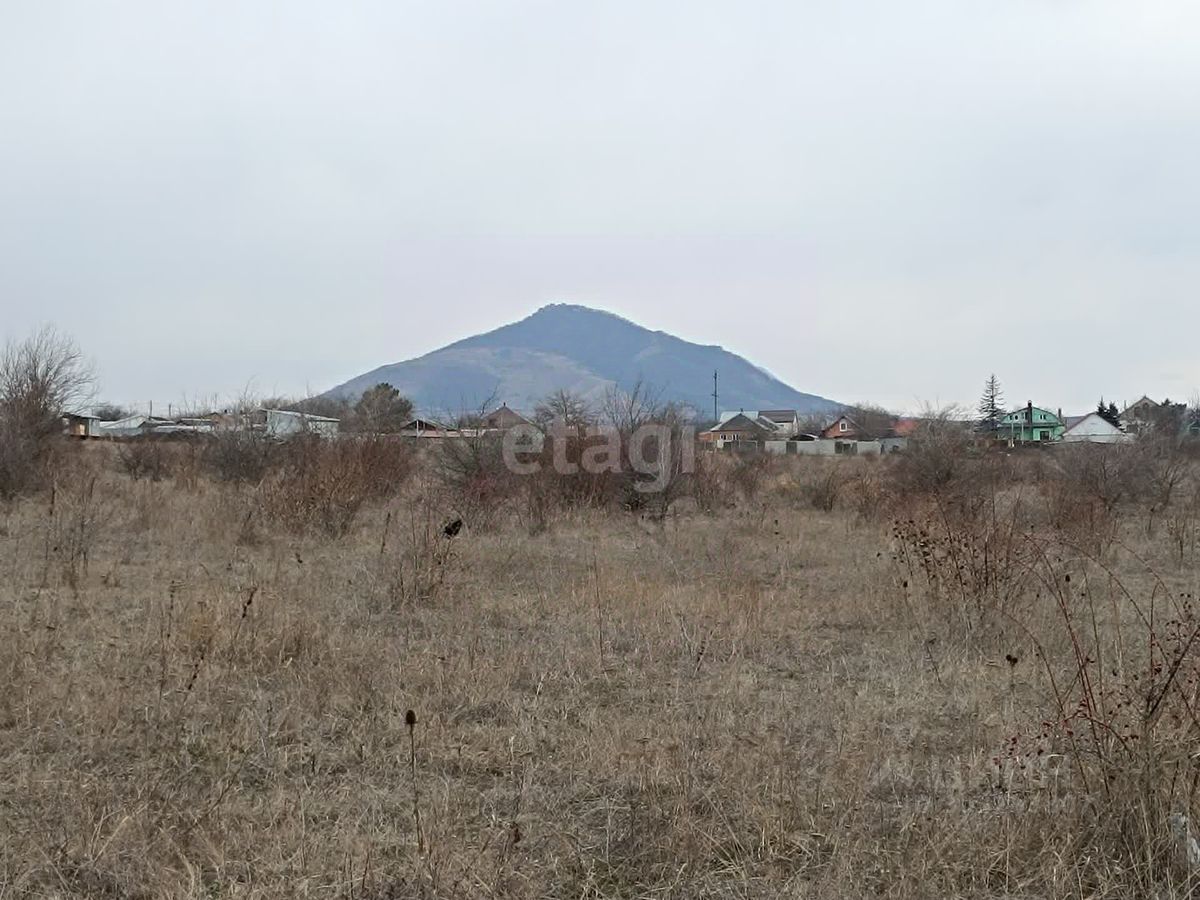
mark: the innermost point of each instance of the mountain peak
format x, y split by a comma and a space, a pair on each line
576, 310
586, 351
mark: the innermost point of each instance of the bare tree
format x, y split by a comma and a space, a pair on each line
41, 379
627, 411
562, 407
657, 447
44, 377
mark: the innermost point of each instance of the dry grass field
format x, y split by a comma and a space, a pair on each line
831, 683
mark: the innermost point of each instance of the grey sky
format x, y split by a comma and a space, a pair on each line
874, 200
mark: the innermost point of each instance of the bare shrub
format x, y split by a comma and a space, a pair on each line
937, 451
565, 478
321, 485
240, 456
145, 458
663, 463
969, 564
1121, 714
1183, 528
715, 479
1166, 467
868, 492
1106, 474
823, 490
745, 474
473, 470
1082, 518
1089, 483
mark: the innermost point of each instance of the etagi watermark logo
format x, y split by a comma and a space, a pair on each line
657, 453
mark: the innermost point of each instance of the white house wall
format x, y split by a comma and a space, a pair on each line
1117, 437
1093, 429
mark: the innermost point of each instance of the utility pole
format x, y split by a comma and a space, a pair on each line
716, 415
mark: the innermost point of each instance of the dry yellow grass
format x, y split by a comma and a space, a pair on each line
758, 702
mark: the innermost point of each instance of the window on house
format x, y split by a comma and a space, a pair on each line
841, 426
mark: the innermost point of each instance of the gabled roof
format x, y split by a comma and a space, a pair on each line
831, 422
727, 414
128, 422
779, 416
505, 417
419, 424
1021, 410
1092, 423
763, 420
843, 417
741, 422
1144, 401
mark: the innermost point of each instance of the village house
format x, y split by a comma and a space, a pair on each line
898, 436
1030, 425
424, 428
1093, 429
503, 418
130, 426
842, 427
741, 427
529, 438
1140, 416
285, 423
784, 421
80, 425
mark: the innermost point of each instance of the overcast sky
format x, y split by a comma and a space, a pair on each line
878, 201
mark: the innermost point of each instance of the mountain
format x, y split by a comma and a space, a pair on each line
585, 351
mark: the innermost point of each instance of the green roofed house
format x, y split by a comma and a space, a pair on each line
1030, 425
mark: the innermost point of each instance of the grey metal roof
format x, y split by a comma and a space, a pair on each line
311, 416
779, 415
